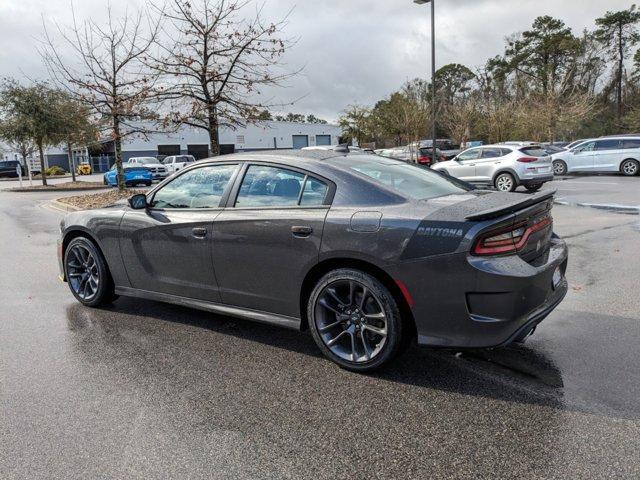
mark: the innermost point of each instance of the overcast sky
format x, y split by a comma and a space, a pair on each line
353, 51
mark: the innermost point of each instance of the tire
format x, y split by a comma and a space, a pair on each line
629, 167
559, 167
375, 328
533, 187
104, 181
505, 182
94, 287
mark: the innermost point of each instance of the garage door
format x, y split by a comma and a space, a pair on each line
300, 141
323, 139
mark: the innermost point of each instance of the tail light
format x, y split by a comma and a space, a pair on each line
425, 160
510, 240
528, 159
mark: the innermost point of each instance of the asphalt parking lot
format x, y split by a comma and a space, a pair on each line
147, 390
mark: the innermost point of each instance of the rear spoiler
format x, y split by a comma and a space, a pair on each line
527, 201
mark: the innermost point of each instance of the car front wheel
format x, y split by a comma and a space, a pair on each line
629, 168
354, 320
87, 273
505, 182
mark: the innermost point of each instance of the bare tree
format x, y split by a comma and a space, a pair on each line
459, 119
214, 63
107, 72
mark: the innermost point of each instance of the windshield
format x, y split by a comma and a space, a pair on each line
403, 178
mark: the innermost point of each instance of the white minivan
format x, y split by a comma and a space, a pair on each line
607, 154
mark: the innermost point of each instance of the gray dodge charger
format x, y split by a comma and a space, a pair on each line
366, 252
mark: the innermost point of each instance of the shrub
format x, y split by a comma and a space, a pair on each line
55, 170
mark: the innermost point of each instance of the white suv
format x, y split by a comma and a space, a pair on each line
174, 163
608, 154
503, 166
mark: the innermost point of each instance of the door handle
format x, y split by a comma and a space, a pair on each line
301, 231
472, 164
199, 232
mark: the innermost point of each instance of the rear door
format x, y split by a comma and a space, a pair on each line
607, 155
486, 165
268, 237
167, 248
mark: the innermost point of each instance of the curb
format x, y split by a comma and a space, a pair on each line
613, 207
53, 189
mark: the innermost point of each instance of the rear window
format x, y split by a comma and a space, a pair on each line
403, 178
631, 143
534, 151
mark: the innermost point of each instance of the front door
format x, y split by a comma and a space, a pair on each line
464, 165
167, 248
582, 158
269, 238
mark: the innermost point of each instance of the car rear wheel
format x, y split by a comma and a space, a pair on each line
629, 167
505, 182
87, 273
354, 320
559, 167
533, 187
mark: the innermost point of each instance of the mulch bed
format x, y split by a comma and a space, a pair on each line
98, 200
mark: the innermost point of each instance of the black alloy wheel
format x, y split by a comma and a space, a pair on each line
354, 320
87, 273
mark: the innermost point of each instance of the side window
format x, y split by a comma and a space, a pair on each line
199, 188
264, 186
631, 143
607, 144
313, 193
491, 152
506, 151
586, 147
471, 154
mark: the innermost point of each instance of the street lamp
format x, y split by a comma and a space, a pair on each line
433, 75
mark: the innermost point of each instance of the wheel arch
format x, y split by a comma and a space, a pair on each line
325, 266
508, 170
76, 232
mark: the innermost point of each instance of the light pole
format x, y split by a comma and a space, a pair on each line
433, 75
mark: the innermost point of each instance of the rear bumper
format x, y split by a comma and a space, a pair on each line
536, 180
463, 301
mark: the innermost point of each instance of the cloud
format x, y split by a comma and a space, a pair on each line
353, 51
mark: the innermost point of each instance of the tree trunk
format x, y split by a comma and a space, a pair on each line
72, 165
118, 152
42, 169
213, 132
619, 79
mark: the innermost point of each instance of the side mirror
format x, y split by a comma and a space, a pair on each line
138, 202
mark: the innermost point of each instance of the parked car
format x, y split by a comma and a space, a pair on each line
158, 170
503, 166
9, 168
337, 243
411, 154
446, 149
613, 154
133, 175
173, 163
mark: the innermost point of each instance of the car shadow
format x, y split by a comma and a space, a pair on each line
516, 373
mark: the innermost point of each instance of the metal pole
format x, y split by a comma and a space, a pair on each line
433, 80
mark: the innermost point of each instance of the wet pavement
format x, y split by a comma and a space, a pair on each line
147, 390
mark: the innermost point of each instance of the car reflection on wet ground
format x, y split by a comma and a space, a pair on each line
143, 389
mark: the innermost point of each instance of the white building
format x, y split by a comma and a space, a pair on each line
263, 135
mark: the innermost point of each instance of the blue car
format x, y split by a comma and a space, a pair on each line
133, 175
